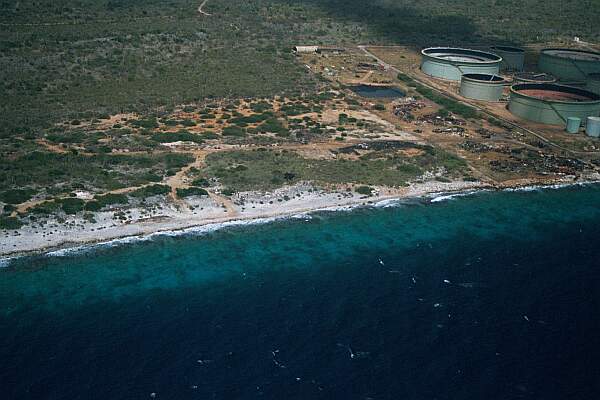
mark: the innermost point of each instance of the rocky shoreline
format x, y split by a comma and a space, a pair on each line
168, 218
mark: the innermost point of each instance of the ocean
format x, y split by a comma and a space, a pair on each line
492, 295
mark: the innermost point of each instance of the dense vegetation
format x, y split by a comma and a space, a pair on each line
83, 58
268, 169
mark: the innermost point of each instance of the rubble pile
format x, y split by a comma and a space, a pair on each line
476, 147
530, 161
405, 107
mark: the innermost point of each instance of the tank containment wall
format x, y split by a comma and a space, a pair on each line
513, 58
482, 87
569, 65
549, 103
451, 63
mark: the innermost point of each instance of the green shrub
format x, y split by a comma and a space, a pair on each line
10, 223
260, 107
71, 205
192, 191
16, 196
110, 199
150, 123
45, 208
152, 190
228, 192
181, 136
188, 122
234, 131
379, 107
273, 125
404, 78
364, 190
92, 206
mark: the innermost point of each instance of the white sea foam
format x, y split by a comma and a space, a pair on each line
535, 188
439, 197
5, 262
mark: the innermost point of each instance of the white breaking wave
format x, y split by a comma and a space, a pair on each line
5, 262
437, 197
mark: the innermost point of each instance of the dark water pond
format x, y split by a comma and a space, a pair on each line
377, 92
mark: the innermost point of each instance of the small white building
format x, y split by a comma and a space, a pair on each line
306, 49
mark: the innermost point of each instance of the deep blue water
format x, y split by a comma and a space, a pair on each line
377, 92
489, 296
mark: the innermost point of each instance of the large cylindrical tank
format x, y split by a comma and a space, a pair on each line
593, 82
569, 65
549, 103
482, 87
451, 63
592, 127
513, 58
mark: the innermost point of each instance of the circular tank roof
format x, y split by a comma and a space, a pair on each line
458, 55
555, 93
579, 55
508, 49
484, 78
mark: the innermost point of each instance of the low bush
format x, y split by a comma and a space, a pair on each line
16, 196
10, 223
92, 206
152, 190
110, 199
71, 205
234, 131
364, 190
201, 182
192, 191
181, 136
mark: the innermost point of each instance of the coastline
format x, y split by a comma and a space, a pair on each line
177, 222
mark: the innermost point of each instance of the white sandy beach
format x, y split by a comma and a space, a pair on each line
168, 217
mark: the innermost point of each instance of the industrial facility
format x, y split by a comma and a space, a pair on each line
569, 65
534, 96
553, 104
482, 87
513, 58
452, 63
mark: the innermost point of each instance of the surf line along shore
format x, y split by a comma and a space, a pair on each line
169, 219
172, 221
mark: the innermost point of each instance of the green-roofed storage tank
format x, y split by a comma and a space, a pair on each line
482, 87
552, 104
569, 65
451, 63
513, 58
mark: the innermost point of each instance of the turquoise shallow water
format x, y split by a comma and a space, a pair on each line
491, 295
